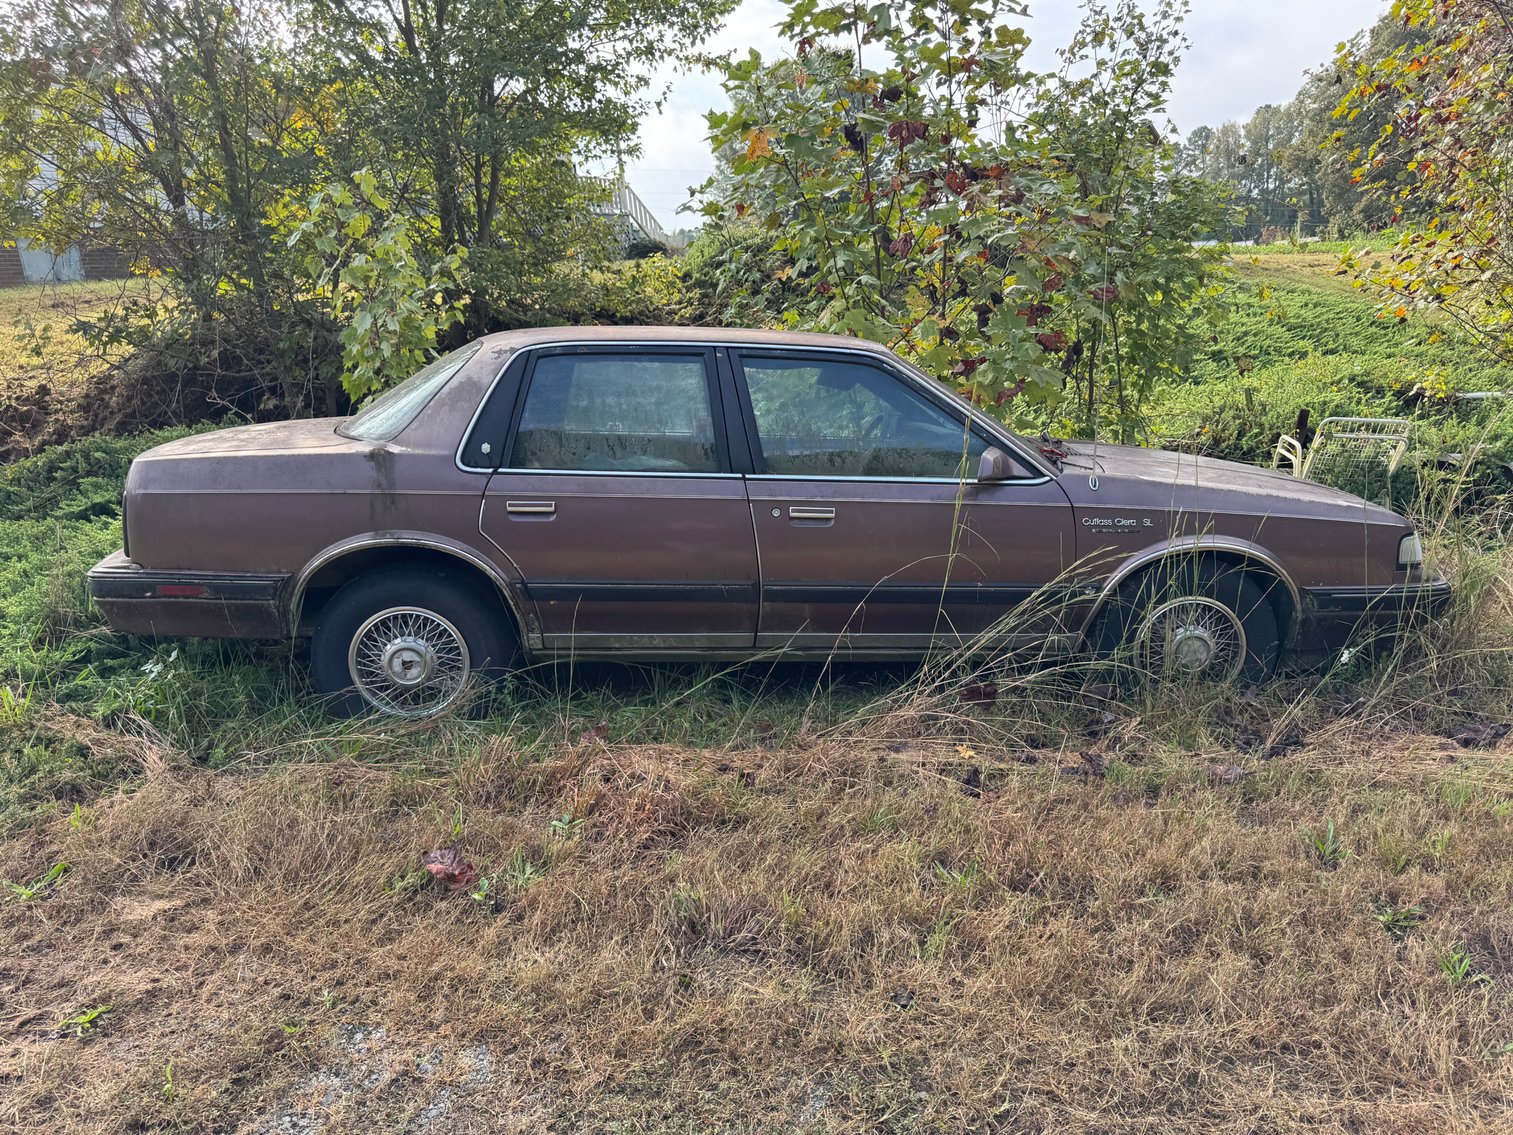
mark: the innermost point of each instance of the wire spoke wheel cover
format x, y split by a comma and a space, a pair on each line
408, 661
1192, 637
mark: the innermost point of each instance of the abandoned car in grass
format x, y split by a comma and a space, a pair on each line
658, 493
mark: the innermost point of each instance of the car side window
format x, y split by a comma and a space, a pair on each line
837, 418
624, 413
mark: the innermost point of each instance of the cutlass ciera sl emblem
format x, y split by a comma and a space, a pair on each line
1117, 523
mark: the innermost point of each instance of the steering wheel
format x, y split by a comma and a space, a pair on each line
872, 425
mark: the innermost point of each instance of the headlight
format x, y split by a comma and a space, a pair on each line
1410, 551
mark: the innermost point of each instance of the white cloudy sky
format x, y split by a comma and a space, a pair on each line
1244, 53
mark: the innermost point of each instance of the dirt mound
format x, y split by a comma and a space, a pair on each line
129, 398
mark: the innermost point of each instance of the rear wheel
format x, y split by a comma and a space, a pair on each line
409, 643
1202, 621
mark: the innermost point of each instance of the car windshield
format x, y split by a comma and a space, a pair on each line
382, 418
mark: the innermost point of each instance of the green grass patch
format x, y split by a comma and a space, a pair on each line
1300, 337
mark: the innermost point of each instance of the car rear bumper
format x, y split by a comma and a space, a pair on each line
137, 600
1335, 617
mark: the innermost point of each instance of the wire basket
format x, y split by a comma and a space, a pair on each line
1359, 455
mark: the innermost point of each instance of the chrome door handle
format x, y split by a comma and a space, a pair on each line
797, 513
530, 508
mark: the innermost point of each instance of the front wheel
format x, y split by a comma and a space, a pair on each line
408, 643
1205, 622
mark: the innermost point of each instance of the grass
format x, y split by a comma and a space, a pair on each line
1299, 337
826, 935
38, 340
771, 899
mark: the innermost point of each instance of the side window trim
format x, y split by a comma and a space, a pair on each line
859, 358
705, 353
733, 415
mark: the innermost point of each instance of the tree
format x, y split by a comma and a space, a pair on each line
1287, 165
476, 114
306, 177
168, 129
1441, 159
1026, 238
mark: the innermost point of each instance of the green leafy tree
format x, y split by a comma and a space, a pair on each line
393, 306
167, 129
1025, 239
234, 151
1145, 292
1441, 160
475, 115
1289, 166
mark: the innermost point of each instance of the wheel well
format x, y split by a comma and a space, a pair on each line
1277, 592
330, 577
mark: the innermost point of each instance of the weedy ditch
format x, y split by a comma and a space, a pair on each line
812, 898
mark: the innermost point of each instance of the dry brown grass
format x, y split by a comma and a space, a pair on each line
831, 936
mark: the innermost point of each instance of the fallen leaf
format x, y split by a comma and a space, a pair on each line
449, 868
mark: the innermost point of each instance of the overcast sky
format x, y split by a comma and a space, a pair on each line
1244, 53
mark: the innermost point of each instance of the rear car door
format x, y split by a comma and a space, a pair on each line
872, 532
616, 502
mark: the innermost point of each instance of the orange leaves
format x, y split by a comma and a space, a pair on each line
759, 143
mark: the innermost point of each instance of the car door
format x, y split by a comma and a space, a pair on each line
616, 503
872, 532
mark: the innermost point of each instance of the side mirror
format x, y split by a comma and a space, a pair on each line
996, 465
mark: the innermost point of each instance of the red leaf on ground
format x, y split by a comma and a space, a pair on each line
449, 868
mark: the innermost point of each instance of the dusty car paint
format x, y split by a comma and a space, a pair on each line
243, 531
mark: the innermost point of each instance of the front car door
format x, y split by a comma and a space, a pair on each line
873, 535
616, 503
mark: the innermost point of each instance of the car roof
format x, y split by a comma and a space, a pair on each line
735, 336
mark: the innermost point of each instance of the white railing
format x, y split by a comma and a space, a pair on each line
623, 202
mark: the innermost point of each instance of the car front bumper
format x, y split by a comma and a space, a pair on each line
1336, 617
137, 600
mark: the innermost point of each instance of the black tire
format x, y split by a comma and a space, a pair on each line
436, 624
1190, 602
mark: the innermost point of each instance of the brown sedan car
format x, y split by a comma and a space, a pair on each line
656, 493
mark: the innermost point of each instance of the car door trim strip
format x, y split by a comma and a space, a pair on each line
641, 591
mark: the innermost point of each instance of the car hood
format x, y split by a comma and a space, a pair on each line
1183, 473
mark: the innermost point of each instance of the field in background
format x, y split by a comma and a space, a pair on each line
1300, 337
54, 384
38, 342
776, 899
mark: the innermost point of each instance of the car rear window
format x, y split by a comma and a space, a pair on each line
394, 409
